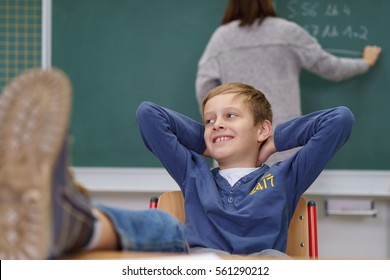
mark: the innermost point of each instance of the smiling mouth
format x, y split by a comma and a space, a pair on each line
221, 139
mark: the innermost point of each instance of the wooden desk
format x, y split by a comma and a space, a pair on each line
110, 255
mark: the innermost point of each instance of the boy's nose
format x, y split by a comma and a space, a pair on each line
219, 124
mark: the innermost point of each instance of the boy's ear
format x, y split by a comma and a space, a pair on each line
265, 131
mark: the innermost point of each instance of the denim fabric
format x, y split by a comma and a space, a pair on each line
148, 230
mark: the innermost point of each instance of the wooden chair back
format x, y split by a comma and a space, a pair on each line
298, 233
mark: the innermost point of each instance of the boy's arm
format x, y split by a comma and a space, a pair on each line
321, 134
171, 136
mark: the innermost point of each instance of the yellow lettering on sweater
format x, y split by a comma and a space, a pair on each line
266, 181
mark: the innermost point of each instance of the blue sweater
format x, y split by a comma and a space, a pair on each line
255, 213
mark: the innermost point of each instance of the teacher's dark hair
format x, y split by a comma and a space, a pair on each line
247, 11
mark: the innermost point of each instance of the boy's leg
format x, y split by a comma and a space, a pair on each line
35, 188
148, 230
42, 214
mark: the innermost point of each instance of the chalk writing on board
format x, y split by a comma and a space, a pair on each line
344, 52
315, 9
307, 12
334, 31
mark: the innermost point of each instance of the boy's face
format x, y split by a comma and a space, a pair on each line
231, 137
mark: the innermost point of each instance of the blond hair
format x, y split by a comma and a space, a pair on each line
258, 103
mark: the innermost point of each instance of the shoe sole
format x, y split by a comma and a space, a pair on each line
34, 116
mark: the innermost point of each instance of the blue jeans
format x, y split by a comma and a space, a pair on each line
147, 230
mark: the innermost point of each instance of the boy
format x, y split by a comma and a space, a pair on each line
42, 213
243, 206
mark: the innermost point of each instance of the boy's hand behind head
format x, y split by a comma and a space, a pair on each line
266, 150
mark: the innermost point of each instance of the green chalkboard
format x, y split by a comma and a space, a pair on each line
344, 27
119, 53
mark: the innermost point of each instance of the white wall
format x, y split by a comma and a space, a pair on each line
353, 236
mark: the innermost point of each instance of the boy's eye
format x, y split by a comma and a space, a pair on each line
210, 121
231, 115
